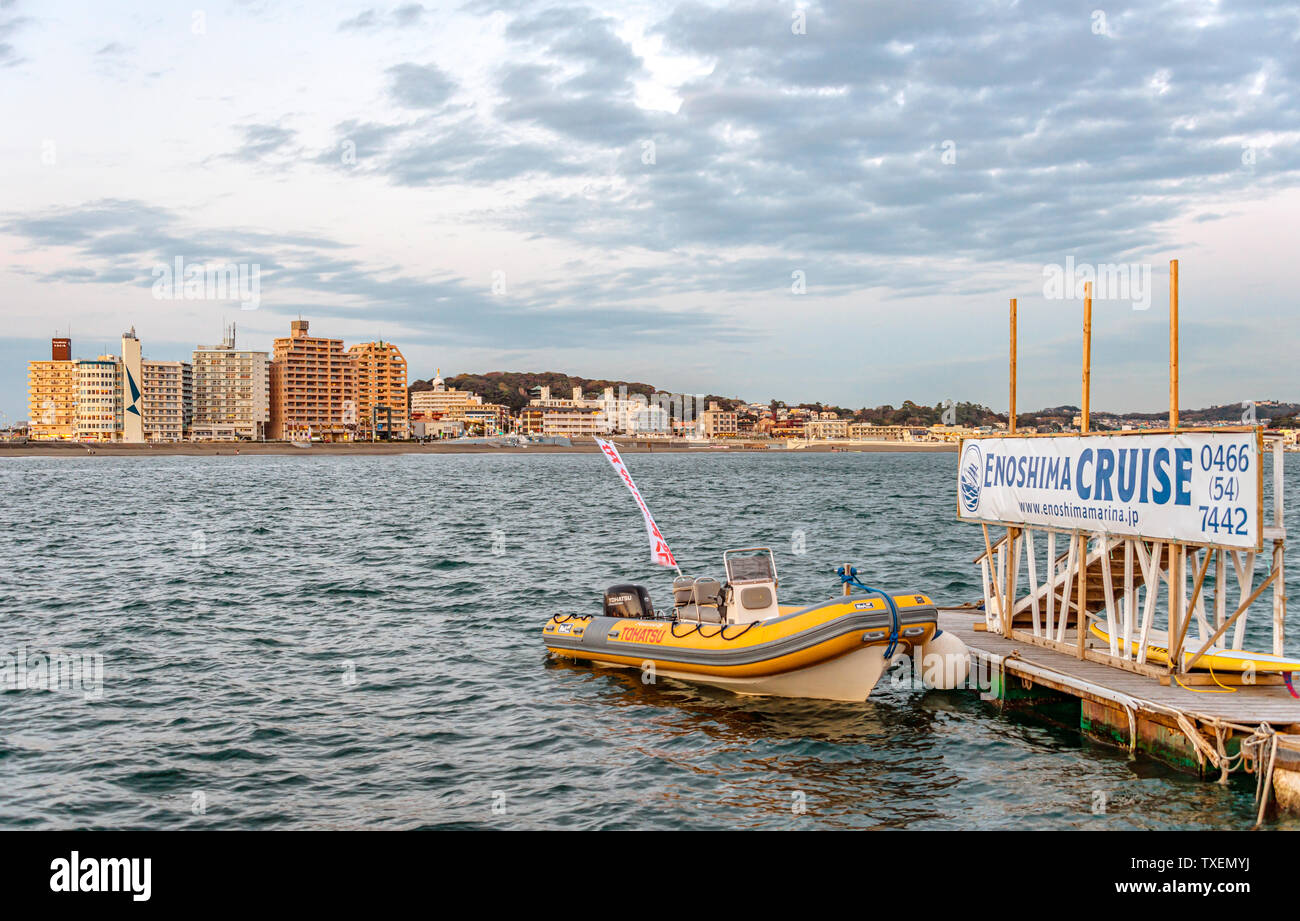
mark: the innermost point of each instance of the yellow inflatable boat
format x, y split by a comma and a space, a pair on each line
737, 636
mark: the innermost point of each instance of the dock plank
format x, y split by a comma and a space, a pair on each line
1248, 705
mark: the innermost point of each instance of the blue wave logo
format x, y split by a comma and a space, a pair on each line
969, 480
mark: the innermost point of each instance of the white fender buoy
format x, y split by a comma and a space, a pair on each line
944, 662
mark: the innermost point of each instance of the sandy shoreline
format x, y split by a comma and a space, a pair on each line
37, 449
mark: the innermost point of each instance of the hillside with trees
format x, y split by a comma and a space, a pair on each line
515, 388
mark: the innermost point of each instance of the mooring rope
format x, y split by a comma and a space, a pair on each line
1252, 749
1250, 756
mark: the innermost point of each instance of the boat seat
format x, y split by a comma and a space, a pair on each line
698, 600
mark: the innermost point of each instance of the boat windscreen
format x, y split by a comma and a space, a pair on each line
757, 568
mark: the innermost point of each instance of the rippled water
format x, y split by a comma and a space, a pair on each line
325, 641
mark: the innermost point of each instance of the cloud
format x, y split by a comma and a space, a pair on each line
121, 241
976, 130
420, 86
401, 17
265, 142
697, 153
9, 27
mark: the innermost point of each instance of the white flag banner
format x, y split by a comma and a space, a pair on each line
1193, 487
659, 552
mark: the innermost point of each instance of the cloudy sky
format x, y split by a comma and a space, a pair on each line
814, 201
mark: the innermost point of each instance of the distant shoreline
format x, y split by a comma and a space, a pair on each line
210, 449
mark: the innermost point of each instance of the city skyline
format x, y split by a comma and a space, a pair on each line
638, 191
229, 341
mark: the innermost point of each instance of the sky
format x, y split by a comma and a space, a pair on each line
825, 201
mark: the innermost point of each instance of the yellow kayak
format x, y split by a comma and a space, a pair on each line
1219, 660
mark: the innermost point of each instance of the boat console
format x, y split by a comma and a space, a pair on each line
751, 585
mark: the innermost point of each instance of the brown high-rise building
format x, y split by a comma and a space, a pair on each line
381, 390
313, 388
52, 394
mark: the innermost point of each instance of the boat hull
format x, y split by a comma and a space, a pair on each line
850, 677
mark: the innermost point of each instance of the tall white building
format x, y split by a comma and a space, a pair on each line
168, 400
232, 392
132, 389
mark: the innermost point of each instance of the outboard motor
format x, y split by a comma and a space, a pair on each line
628, 601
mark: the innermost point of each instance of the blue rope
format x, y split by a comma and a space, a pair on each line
851, 578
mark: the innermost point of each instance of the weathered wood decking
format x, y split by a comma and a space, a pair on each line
1246, 706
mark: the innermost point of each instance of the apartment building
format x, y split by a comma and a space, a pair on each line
633, 414
313, 387
380, 391
99, 399
52, 394
232, 392
167, 399
716, 422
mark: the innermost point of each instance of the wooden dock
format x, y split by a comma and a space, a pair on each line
1202, 729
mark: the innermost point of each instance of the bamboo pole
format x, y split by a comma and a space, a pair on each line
1279, 555
1173, 344
1087, 359
1011, 417
1012, 533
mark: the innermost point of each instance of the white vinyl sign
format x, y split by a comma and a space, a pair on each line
1193, 487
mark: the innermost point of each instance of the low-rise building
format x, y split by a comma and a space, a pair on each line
435, 426
487, 419
824, 429
866, 431
786, 428
443, 400
570, 421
